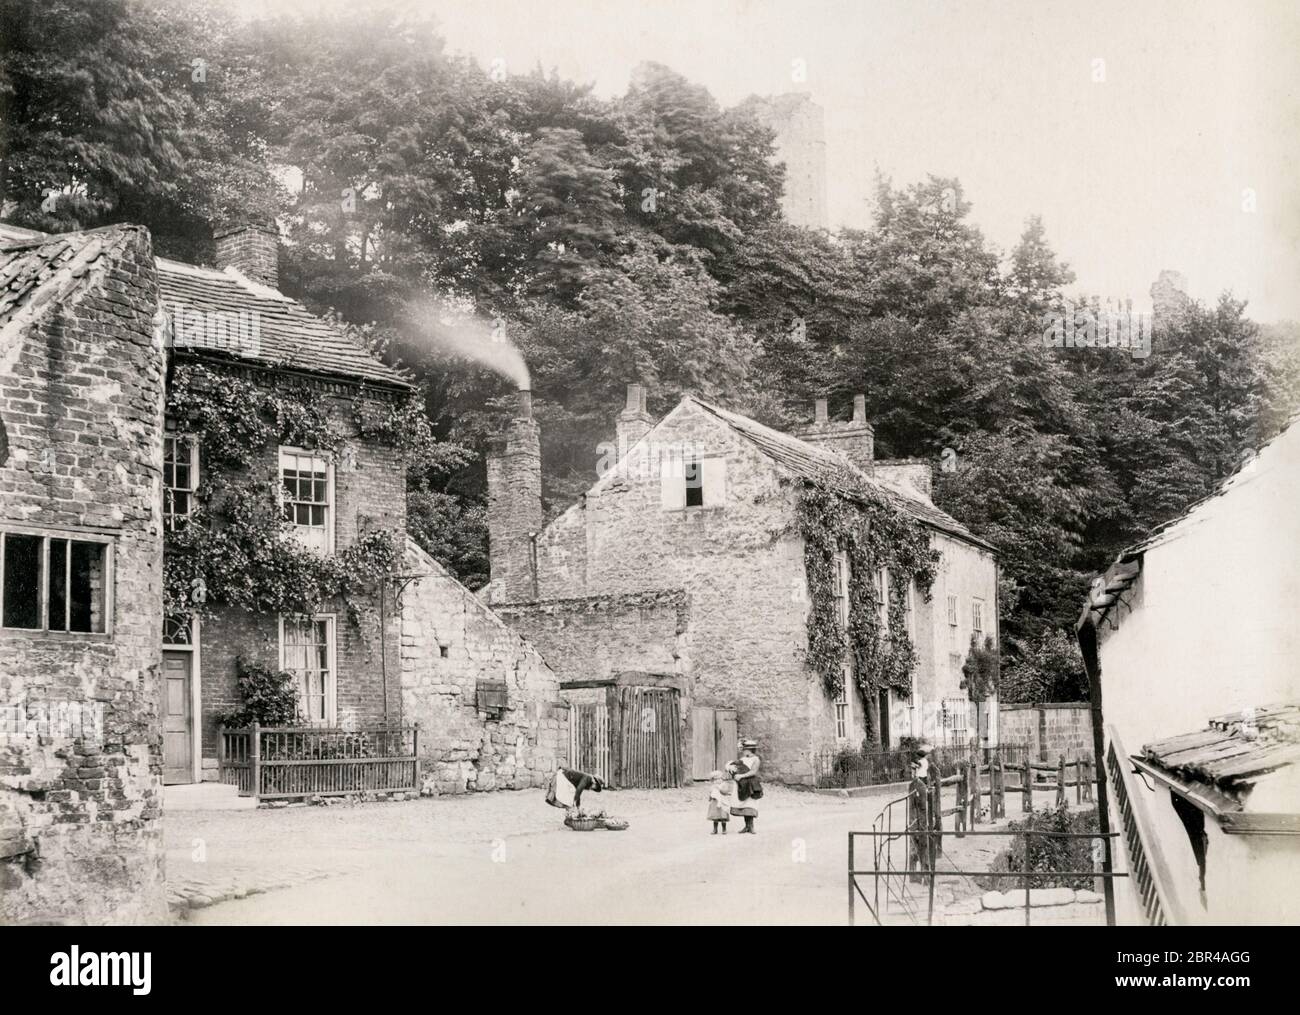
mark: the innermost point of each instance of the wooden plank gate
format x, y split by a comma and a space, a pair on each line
589, 740
713, 740
650, 750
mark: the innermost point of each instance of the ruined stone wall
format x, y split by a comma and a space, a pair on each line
81, 395
738, 563
369, 494
450, 643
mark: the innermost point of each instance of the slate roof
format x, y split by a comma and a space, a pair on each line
1234, 750
817, 464
275, 329
39, 269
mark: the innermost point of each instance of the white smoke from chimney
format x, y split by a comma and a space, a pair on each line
469, 337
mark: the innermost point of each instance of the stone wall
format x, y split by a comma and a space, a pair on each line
451, 642
81, 393
596, 637
1051, 729
737, 561
369, 494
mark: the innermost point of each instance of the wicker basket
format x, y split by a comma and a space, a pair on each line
583, 824
615, 824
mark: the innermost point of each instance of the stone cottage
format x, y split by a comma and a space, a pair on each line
682, 563
229, 329
81, 422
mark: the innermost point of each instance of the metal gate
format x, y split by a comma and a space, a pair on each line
650, 750
589, 740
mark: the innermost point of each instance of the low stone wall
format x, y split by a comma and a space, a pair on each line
1051, 728
451, 643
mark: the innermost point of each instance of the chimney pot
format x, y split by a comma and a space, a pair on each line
525, 404
253, 249
859, 408
819, 411
635, 398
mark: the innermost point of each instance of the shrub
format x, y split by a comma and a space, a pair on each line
267, 697
1048, 855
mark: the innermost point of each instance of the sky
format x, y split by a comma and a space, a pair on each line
1160, 134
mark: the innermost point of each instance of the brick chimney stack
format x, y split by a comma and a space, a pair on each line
633, 422
855, 439
253, 249
514, 475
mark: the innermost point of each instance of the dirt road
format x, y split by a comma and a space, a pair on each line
506, 858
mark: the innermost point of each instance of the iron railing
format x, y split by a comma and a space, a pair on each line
281, 762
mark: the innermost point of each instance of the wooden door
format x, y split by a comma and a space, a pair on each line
728, 740
886, 734
713, 740
178, 719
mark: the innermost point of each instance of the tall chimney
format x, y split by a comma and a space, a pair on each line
514, 475
854, 439
251, 248
633, 422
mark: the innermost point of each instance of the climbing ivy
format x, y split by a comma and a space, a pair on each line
847, 516
236, 549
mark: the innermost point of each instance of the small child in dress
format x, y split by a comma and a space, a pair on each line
719, 801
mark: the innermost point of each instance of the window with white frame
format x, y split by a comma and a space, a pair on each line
53, 581
977, 616
909, 616
952, 611
882, 597
307, 651
955, 718
692, 481
180, 475
841, 591
308, 496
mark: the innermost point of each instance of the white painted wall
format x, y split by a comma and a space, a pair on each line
1212, 626
1214, 623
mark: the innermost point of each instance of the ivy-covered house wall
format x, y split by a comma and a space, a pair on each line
755, 559
238, 565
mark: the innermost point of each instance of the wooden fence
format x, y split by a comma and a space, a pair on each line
847, 769
282, 762
972, 789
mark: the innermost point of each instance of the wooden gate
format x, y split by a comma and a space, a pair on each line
650, 750
589, 740
713, 740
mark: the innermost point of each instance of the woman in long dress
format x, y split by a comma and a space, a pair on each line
749, 788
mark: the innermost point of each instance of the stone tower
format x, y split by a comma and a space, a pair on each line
800, 126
